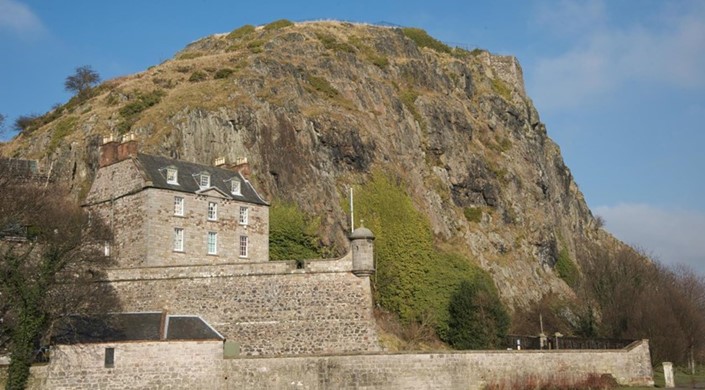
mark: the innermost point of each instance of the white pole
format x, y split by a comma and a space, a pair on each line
352, 212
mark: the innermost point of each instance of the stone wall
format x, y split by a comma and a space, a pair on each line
145, 365
270, 309
200, 365
450, 370
161, 221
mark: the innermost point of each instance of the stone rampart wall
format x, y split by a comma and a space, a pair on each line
269, 309
195, 365
452, 370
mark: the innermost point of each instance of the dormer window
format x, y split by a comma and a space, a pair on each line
235, 186
172, 176
204, 180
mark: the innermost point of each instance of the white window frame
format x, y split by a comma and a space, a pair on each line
212, 211
178, 244
236, 186
244, 215
179, 206
212, 243
244, 246
172, 176
204, 180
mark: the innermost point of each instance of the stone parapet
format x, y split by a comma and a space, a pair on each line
200, 365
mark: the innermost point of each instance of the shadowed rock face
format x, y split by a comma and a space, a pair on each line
316, 107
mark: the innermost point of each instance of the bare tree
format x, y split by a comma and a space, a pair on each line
637, 297
51, 257
82, 81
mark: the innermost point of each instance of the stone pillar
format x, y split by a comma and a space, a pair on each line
668, 375
362, 242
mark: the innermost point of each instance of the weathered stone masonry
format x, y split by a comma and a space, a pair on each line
200, 365
269, 309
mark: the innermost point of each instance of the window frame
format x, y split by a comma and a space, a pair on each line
109, 361
179, 206
178, 239
204, 176
212, 213
172, 176
212, 240
236, 186
244, 251
244, 215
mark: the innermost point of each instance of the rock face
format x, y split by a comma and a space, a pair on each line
315, 107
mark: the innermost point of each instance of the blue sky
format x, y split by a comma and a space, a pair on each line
620, 84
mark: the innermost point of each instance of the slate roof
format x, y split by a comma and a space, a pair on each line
154, 167
132, 327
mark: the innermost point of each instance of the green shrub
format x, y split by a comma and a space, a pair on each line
292, 235
422, 39
379, 61
256, 45
566, 268
414, 278
277, 24
223, 73
197, 76
322, 85
369, 53
141, 102
473, 214
241, 32
501, 88
330, 43
477, 318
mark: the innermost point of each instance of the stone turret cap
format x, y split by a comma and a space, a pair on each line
362, 233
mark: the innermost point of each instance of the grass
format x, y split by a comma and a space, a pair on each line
223, 73
190, 55
408, 98
277, 24
369, 53
473, 214
566, 268
681, 377
241, 32
330, 43
501, 88
63, 128
422, 39
322, 85
256, 46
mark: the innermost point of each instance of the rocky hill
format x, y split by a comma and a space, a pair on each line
318, 107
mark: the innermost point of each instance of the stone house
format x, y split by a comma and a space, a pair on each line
148, 350
166, 212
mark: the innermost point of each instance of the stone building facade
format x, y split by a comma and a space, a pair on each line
166, 212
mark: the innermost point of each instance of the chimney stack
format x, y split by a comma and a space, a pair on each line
108, 152
241, 165
219, 162
113, 151
128, 147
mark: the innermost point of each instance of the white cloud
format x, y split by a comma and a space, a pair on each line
19, 18
670, 50
672, 236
